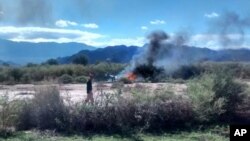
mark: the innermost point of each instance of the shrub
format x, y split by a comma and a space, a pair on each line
52, 62
81, 79
232, 91
113, 113
201, 93
216, 96
65, 79
29, 74
81, 59
187, 72
125, 80
2, 77
31, 65
49, 110
26, 78
26, 118
16, 74
8, 114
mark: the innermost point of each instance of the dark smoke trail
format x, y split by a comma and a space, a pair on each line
156, 38
231, 28
34, 12
163, 54
26, 12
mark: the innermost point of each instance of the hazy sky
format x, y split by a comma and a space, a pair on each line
115, 22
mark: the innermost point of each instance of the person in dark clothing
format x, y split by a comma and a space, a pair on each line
89, 90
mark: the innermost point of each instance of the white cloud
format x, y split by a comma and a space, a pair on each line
65, 23
157, 22
59, 35
90, 25
212, 15
138, 41
144, 27
41, 34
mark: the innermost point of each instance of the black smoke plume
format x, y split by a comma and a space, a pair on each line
27, 12
163, 54
34, 12
232, 29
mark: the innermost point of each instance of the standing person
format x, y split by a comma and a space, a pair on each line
89, 90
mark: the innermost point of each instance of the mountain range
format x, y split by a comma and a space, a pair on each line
116, 54
123, 54
25, 52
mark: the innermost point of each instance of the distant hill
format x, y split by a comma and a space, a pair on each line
117, 54
24, 52
2, 63
123, 54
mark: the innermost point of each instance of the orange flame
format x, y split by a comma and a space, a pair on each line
131, 76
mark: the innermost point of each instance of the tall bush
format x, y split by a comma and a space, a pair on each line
48, 109
216, 96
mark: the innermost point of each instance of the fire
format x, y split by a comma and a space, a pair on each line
131, 76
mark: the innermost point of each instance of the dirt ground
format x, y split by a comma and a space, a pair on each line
77, 92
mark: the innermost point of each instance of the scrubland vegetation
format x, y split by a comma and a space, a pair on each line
56, 73
214, 99
74, 73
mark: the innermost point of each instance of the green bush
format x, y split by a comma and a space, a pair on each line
2, 77
215, 96
37, 73
65, 79
81, 60
26, 115
187, 72
26, 78
9, 110
125, 80
51, 62
200, 91
231, 91
81, 79
16, 74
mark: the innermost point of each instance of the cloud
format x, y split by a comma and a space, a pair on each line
41, 34
137, 41
59, 35
65, 23
90, 25
212, 15
157, 22
144, 27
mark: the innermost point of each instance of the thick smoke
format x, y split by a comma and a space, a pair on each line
34, 12
232, 29
26, 12
162, 55
156, 40
1, 12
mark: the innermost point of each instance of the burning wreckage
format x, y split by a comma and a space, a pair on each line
161, 56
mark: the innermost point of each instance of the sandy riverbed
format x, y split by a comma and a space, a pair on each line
77, 92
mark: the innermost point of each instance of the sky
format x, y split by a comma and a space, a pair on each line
103, 23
